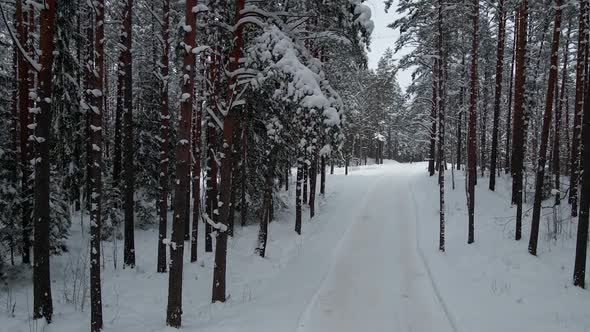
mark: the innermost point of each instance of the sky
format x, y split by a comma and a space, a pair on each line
384, 37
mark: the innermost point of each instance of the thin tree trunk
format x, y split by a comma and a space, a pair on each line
298, 198
230, 123
164, 145
322, 176
128, 164
519, 117
244, 166
96, 127
313, 176
441, 129
558, 121
498, 95
433, 119
23, 105
472, 140
579, 105
545, 131
196, 163
582, 236
43, 305
510, 95
183, 162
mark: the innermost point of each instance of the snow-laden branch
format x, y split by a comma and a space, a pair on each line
32, 63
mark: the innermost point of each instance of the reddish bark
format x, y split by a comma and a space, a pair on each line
498, 94
183, 162
43, 306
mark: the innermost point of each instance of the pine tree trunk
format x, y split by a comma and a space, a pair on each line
558, 121
23, 110
96, 127
244, 166
42, 304
472, 139
519, 117
164, 145
183, 163
322, 176
579, 105
510, 95
545, 131
441, 129
433, 119
313, 176
498, 94
305, 181
196, 165
582, 235
230, 123
128, 164
484, 124
298, 197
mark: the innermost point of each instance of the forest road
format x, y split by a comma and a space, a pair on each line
378, 282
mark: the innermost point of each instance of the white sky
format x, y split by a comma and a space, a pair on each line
384, 37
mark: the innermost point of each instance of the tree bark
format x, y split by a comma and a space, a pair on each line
519, 118
498, 94
433, 119
230, 123
472, 143
578, 108
23, 110
441, 129
298, 198
128, 164
558, 121
510, 97
96, 126
545, 131
164, 132
582, 235
42, 304
183, 162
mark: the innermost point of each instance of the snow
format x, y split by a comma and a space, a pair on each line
368, 261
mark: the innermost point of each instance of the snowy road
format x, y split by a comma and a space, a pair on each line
378, 281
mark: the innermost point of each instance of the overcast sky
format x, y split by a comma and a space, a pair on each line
383, 37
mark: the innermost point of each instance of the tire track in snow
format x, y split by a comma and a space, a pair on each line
305, 315
439, 298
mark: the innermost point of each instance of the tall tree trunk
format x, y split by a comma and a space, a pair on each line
244, 165
96, 127
230, 123
433, 119
579, 105
196, 161
484, 124
183, 162
519, 118
164, 132
472, 140
298, 197
23, 105
128, 164
558, 121
582, 235
498, 95
460, 120
510, 97
441, 128
43, 305
545, 131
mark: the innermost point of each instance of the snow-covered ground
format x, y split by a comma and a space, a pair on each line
368, 261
